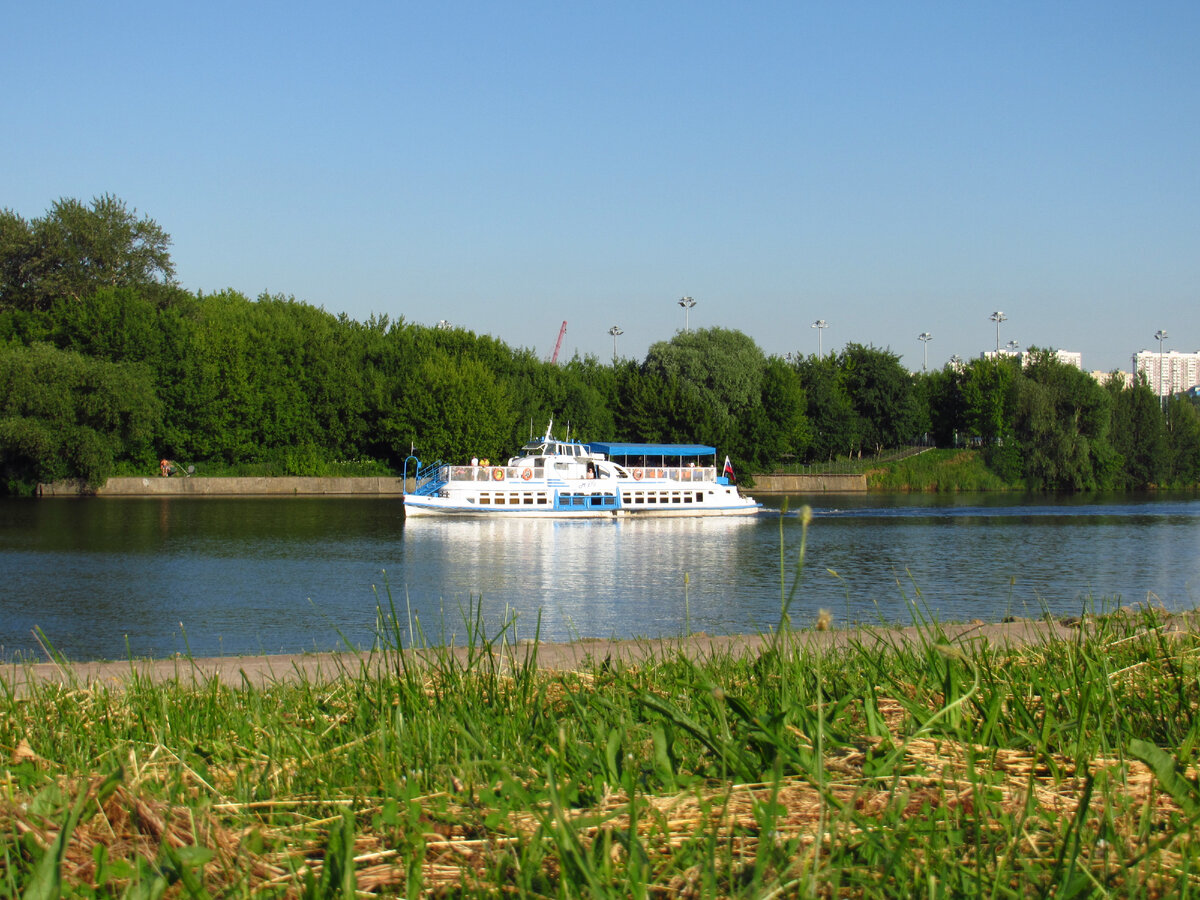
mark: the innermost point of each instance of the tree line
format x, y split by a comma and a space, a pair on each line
107, 365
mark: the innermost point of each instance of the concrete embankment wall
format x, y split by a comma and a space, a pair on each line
153, 486
808, 484
230, 487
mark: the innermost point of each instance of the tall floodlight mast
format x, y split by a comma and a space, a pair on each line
998, 317
820, 325
925, 337
687, 303
1161, 335
615, 331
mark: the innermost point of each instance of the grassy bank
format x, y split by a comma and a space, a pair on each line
877, 769
937, 470
913, 469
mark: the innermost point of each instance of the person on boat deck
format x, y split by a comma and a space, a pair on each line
591, 470
475, 460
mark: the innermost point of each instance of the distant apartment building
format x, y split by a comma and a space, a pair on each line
1124, 379
1168, 373
1070, 358
1066, 357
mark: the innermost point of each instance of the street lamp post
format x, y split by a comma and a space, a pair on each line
687, 303
1012, 347
925, 337
1162, 335
998, 317
820, 325
615, 331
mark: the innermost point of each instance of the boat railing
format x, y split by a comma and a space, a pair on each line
496, 474
502, 474
694, 473
674, 473
427, 479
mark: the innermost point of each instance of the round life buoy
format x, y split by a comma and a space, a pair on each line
637, 474
527, 474
497, 474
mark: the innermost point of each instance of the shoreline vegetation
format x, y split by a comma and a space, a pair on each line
1036, 756
108, 366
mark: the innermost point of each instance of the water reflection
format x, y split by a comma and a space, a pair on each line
105, 578
583, 578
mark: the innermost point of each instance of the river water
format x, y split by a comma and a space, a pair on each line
113, 578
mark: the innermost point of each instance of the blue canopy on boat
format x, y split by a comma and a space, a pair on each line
610, 449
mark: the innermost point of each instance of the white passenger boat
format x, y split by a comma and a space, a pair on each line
571, 480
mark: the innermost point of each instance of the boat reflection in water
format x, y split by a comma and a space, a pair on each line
633, 577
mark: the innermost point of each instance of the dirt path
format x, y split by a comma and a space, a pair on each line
263, 671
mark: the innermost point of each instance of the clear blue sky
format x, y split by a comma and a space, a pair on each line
889, 167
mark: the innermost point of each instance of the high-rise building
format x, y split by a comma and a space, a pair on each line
1168, 373
1066, 357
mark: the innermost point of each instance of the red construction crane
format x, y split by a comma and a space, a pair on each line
558, 343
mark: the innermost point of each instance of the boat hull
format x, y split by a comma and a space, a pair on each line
415, 505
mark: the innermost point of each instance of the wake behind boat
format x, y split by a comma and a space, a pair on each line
572, 480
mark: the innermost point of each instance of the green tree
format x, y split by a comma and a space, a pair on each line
880, 390
1139, 434
989, 393
1062, 422
642, 404
453, 410
117, 324
63, 415
77, 249
1183, 440
778, 426
710, 381
214, 410
835, 425
586, 397
945, 404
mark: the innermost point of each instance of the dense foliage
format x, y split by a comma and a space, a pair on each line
107, 365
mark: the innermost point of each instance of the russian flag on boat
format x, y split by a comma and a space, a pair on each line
728, 471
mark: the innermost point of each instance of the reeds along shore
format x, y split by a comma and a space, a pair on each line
872, 767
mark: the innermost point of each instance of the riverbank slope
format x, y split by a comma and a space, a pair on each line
971, 762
